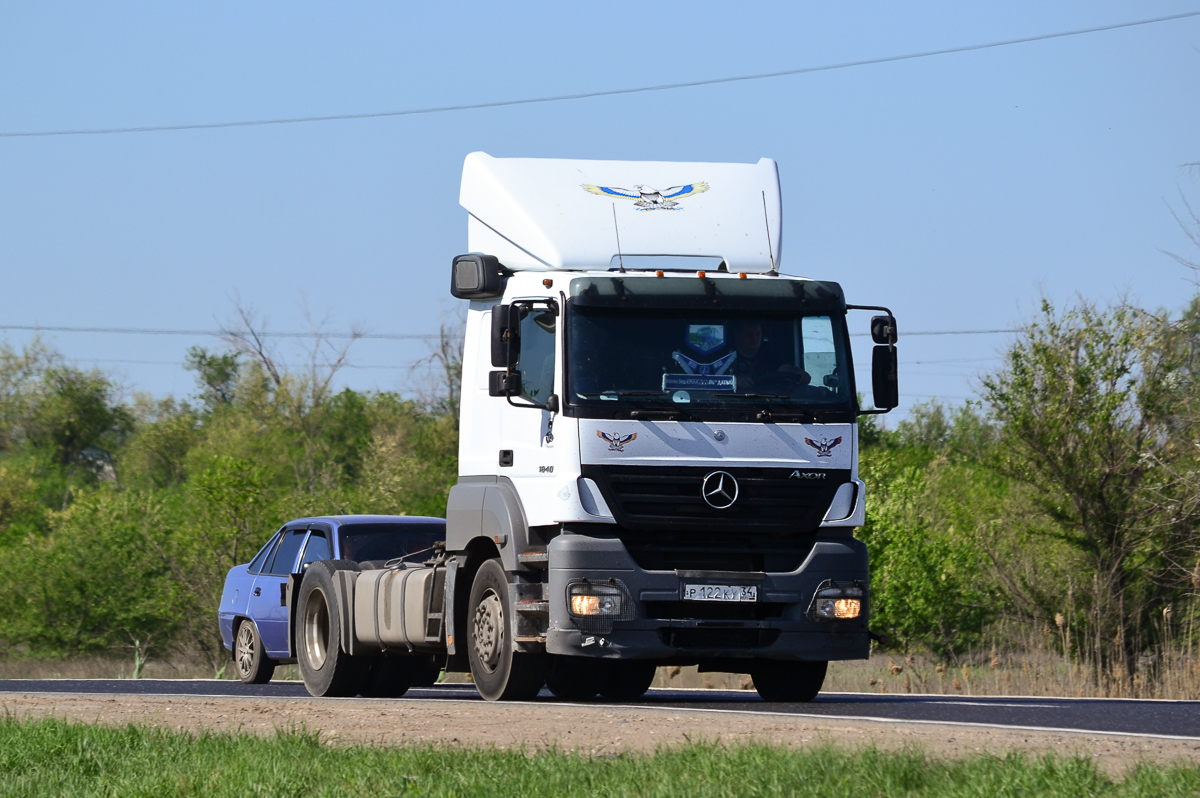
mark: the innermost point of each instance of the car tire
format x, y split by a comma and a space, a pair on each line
628, 680
499, 672
788, 682
326, 668
576, 678
250, 659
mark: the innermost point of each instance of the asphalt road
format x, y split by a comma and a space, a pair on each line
1110, 716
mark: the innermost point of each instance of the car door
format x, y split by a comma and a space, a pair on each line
239, 586
268, 607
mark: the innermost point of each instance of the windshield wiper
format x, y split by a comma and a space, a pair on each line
662, 406
773, 413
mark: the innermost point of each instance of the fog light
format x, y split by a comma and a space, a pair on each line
834, 601
587, 599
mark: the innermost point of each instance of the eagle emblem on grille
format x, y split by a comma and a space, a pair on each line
616, 441
824, 446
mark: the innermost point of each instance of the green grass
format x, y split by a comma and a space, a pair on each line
53, 757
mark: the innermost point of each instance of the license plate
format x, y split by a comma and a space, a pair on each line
720, 592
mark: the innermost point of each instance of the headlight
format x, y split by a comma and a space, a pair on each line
587, 599
837, 601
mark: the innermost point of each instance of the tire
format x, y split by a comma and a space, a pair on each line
249, 658
387, 677
327, 670
576, 678
788, 681
426, 671
500, 673
628, 680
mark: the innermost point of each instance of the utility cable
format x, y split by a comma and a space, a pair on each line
376, 336
441, 109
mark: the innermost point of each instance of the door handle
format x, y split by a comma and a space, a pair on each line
258, 591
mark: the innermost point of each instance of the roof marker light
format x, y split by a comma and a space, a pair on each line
659, 273
701, 275
742, 275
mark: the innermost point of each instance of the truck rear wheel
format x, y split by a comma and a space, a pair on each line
628, 680
788, 681
500, 673
327, 670
249, 657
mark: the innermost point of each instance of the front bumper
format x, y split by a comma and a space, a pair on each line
664, 628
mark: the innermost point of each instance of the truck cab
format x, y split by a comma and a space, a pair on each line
658, 457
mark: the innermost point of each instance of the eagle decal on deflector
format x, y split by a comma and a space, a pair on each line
650, 199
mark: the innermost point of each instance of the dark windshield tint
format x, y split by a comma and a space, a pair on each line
362, 542
706, 359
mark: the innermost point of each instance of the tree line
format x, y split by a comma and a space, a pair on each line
1064, 503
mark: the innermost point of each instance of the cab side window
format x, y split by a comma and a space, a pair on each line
537, 353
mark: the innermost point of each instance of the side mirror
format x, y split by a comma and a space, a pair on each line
477, 277
504, 383
884, 384
506, 336
883, 329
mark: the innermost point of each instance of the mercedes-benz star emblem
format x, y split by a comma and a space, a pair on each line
720, 490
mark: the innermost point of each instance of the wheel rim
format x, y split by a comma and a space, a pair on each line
316, 630
489, 630
245, 649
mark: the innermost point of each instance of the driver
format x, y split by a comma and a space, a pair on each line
752, 362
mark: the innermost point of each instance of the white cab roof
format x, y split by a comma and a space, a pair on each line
542, 213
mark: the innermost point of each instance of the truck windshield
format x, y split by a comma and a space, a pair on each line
697, 360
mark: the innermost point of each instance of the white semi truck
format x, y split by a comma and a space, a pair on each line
658, 458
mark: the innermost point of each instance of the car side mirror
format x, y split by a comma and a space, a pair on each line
884, 383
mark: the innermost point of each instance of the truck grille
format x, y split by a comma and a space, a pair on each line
665, 523
654, 497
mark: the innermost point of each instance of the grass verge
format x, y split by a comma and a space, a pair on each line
54, 757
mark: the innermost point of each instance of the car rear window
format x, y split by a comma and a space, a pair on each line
362, 542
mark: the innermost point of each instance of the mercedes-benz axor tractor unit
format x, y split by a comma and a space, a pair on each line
658, 456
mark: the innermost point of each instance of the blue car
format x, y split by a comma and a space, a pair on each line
254, 620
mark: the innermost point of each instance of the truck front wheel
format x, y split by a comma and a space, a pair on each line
500, 673
788, 681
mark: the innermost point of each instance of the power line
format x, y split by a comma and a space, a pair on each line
441, 109
374, 336
220, 333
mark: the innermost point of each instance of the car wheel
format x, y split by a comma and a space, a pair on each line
500, 673
251, 661
628, 680
326, 668
788, 681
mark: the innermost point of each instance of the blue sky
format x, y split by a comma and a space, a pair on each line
957, 189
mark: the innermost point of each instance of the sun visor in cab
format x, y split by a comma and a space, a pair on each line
696, 293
